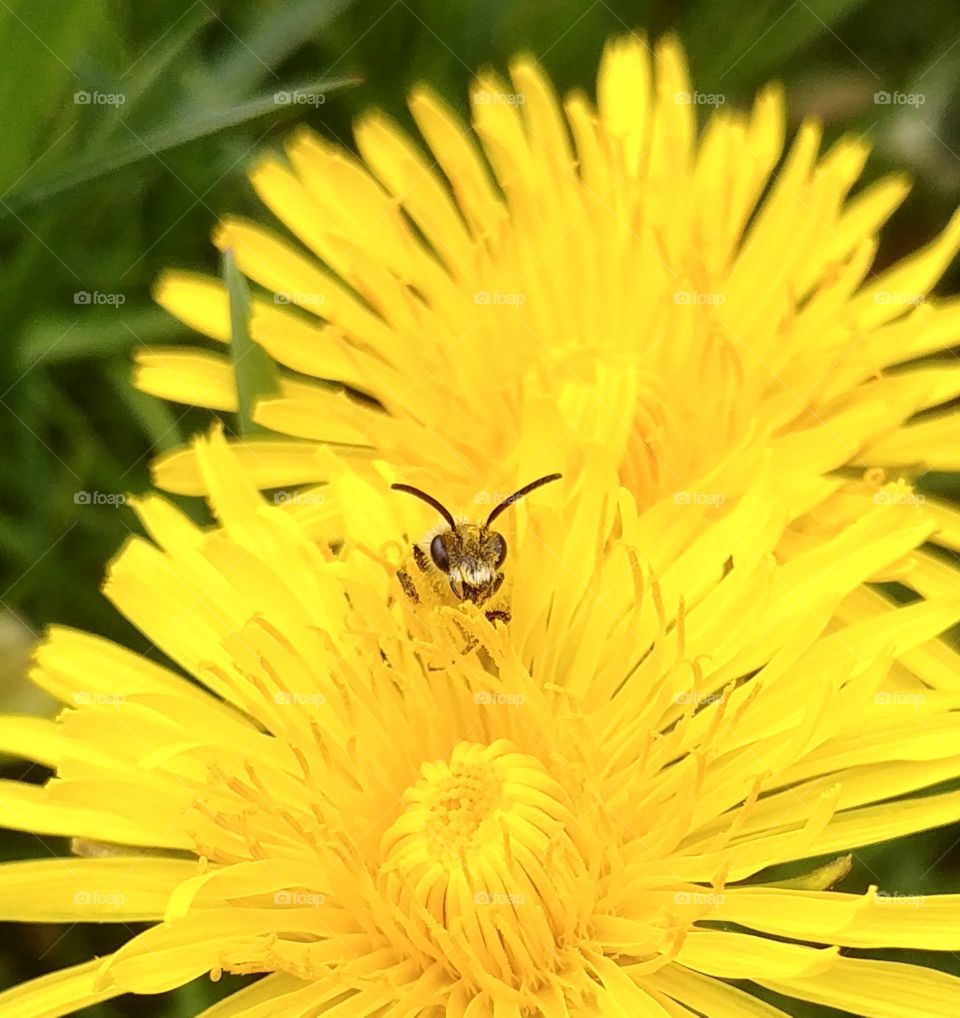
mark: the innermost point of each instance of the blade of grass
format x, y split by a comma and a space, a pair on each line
142, 75
254, 371
172, 136
56, 338
38, 81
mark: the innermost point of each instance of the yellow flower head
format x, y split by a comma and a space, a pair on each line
569, 285
397, 808
578, 273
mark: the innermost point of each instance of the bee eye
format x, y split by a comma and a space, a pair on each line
438, 553
499, 548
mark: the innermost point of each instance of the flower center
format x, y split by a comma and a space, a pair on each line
456, 802
486, 868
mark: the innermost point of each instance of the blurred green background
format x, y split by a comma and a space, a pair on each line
96, 197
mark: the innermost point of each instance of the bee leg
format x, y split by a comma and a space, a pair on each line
420, 557
408, 588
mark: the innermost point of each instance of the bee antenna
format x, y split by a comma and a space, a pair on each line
429, 499
517, 495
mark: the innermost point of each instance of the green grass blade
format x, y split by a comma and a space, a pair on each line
55, 339
142, 78
201, 125
255, 373
38, 81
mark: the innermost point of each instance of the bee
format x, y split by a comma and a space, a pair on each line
468, 554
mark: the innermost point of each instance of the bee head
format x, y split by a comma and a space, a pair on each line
471, 558
470, 555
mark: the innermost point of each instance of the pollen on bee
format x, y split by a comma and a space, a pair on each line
477, 574
409, 588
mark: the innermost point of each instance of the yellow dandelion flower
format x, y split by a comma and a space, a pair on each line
390, 808
576, 274
580, 270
